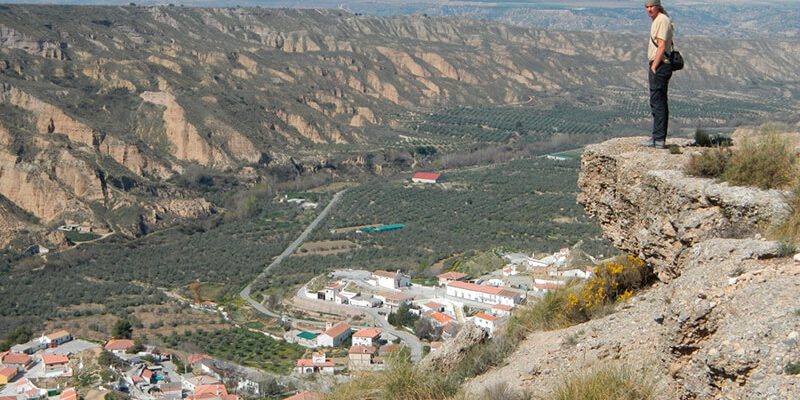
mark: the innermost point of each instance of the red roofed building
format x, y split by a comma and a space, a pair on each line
484, 294
501, 310
425, 177
487, 322
119, 346
450, 276
360, 357
7, 374
305, 396
56, 338
55, 363
318, 363
68, 394
193, 358
210, 392
440, 319
334, 335
366, 337
19, 360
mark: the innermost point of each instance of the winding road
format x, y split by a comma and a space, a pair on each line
245, 293
413, 343
409, 339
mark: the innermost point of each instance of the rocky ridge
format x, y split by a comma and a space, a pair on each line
721, 324
128, 97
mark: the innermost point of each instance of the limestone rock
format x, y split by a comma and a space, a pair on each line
648, 207
452, 352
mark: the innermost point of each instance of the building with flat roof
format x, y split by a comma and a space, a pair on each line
484, 294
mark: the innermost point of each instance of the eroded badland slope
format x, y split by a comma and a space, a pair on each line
103, 108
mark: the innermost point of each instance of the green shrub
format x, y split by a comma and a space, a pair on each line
705, 138
711, 163
766, 162
788, 231
607, 382
402, 380
792, 368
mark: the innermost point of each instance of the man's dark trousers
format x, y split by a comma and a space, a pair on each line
659, 82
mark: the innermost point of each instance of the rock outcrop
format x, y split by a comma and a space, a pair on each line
648, 207
722, 324
447, 358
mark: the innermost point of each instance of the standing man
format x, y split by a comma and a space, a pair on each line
659, 71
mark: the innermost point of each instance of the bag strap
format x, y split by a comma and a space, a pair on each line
656, 44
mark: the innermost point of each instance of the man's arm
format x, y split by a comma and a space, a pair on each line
662, 48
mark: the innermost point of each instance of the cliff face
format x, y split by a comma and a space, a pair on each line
721, 323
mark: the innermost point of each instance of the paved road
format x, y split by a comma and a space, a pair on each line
245, 293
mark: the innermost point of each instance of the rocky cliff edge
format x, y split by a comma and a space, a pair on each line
722, 322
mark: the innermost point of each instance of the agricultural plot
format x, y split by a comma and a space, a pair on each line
525, 205
611, 112
241, 346
121, 275
325, 247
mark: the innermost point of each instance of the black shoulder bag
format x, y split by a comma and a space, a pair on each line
675, 58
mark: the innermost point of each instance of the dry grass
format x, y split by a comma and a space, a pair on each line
711, 163
401, 380
767, 162
607, 382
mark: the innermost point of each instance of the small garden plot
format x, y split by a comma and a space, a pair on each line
325, 247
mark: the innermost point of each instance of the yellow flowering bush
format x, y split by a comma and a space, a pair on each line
613, 280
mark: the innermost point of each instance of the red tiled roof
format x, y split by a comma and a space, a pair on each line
502, 307
8, 372
337, 330
216, 389
16, 358
368, 333
119, 344
305, 362
68, 394
441, 317
385, 274
485, 316
136, 379
434, 305
455, 275
193, 358
305, 396
147, 374
57, 334
49, 359
426, 175
436, 344
361, 350
394, 296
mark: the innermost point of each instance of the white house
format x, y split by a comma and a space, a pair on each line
55, 338
484, 294
542, 286
368, 302
334, 335
450, 276
330, 291
425, 177
318, 363
391, 280
366, 337
501, 310
487, 322
575, 273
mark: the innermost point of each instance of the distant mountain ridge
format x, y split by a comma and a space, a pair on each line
103, 107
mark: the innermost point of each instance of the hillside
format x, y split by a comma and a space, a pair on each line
722, 322
108, 112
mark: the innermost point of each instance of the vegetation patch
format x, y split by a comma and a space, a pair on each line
241, 346
324, 247
607, 382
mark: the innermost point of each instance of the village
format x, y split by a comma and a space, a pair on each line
381, 313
